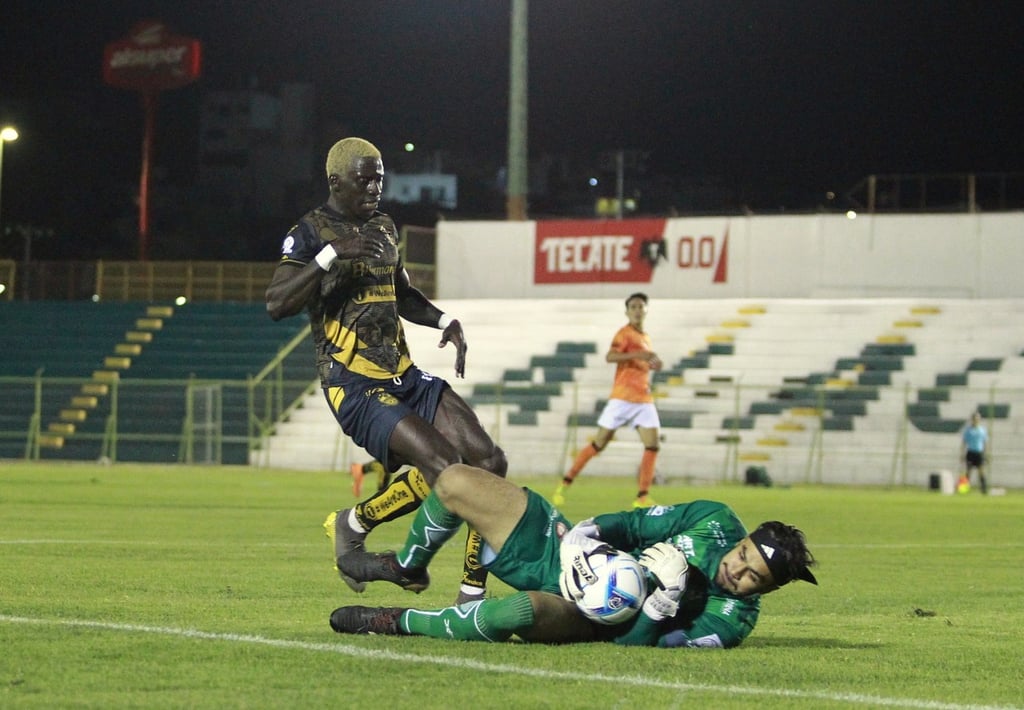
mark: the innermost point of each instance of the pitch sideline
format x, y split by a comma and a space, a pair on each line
640, 681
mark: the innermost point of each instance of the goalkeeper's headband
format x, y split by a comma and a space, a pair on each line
778, 560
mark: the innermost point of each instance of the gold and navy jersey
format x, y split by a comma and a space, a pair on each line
354, 318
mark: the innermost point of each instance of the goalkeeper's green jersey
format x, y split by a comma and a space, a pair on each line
704, 531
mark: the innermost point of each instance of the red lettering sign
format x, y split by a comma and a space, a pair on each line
700, 253
151, 59
594, 251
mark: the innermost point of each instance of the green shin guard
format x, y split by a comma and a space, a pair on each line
486, 620
432, 526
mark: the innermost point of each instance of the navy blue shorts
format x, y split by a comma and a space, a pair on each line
368, 410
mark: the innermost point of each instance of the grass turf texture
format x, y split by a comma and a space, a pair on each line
205, 587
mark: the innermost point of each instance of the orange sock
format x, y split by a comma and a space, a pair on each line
646, 475
586, 453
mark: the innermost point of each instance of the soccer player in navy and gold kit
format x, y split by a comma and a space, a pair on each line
341, 264
706, 573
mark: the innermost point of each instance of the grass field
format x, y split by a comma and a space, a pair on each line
175, 587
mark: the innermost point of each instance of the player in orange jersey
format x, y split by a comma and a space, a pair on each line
631, 402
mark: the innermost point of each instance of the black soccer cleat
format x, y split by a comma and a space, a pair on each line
363, 566
346, 541
366, 620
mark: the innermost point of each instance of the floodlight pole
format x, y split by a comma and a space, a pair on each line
516, 176
149, 101
7, 134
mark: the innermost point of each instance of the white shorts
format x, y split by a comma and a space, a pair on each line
619, 413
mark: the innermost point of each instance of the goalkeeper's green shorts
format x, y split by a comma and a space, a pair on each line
529, 559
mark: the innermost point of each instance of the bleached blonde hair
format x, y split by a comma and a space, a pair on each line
342, 153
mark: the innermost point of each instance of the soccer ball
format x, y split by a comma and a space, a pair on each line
619, 591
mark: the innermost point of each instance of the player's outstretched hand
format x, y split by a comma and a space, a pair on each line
453, 334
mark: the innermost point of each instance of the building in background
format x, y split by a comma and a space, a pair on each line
437, 189
257, 154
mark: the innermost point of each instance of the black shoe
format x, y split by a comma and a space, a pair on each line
346, 541
382, 566
366, 620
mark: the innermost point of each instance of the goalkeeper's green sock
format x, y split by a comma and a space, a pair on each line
432, 526
486, 620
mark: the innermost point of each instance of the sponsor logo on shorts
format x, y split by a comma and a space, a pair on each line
383, 396
387, 399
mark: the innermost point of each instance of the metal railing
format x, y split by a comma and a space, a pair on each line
189, 421
806, 441
189, 425
893, 435
165, 281
938, 192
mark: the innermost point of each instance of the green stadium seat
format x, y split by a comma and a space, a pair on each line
583, 419
922, 409
571, 347
933, 394
936, 424
837, 423
527, 418
675, 420
571, 359
874, 377
889, 349
994, 411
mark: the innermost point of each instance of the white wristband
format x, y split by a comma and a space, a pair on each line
443, 321
326, 257
661, 605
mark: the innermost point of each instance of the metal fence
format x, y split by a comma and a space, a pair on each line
105, 417
165, 281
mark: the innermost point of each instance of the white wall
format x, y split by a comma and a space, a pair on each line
807, 256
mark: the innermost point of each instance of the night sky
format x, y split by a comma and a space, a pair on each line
811, 94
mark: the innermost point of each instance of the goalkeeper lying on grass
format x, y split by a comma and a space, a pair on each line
705, 573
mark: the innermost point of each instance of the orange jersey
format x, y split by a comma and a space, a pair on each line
632, 377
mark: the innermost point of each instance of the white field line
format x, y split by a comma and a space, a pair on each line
464, 664
207, 543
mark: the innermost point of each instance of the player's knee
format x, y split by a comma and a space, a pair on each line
496, 463
653, 449
456, 481
432, 467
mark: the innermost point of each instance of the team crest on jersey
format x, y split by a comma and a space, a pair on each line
289, 245
387, 399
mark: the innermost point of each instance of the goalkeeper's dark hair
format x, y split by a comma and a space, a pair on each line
790, 541
639, 294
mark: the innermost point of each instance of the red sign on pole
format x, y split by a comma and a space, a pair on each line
150, 60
